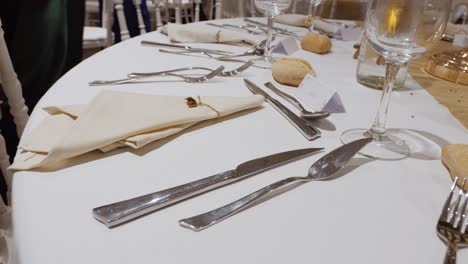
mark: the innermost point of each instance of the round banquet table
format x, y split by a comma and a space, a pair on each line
375, 212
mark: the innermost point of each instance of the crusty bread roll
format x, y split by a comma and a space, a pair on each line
455, 158
316, 43
291, 71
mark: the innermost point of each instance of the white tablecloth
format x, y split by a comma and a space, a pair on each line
379, 212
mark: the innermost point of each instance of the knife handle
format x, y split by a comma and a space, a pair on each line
310, 133
124, 211
152, 43
202, 221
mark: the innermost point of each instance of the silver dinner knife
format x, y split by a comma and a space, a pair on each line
124, 211
184, 47
309, 132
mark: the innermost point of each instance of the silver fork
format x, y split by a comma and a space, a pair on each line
230, 73
202, 78
453, 221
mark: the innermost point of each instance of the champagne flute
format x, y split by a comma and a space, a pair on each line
313, 6
399, 30
270, 8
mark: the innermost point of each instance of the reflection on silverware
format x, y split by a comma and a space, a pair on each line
322, 169
124, 211
308, 131
304, 113
452, 227
184, 78
230, 73
184, 47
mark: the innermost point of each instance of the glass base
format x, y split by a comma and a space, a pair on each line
384, 146
263, 62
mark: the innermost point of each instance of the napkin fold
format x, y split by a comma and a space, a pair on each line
199, 33
307, 21
116, 119
297, 20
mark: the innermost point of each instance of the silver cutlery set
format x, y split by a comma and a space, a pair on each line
323, 169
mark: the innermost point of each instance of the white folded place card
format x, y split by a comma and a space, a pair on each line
349, 34
460, 40
286, 46
317, 96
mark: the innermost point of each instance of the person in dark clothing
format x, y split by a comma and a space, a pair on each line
44, 39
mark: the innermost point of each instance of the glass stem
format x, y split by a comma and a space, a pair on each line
269, 36
391, 71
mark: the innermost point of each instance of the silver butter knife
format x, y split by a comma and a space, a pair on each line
124, 211
309, 132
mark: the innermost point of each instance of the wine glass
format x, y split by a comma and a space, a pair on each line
270, 8
313, 5
400, 31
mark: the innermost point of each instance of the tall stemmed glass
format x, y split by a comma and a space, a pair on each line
399, 30
270, 8
313, 6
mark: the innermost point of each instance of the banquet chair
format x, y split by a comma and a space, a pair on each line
191, 10
99, 36
14, 94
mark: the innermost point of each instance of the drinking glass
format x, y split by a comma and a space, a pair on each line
399, 30
270, 8
313, 6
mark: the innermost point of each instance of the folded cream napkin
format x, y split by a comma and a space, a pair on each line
115, 119
199, 33
455, 29
294, 20
307, 21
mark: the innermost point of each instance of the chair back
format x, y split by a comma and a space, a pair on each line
188, 9
13, 91
18, 109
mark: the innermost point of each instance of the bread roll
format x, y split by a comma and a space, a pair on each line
316, 43
291, 71
455, 158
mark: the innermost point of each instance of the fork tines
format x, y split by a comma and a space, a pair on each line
455, 211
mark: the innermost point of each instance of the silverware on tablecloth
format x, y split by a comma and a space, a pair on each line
308, 131
124, 211
235, 27
184, 47
452, 227
304, 113
229, 73
448, 37
203, 78
322, 169
204, 55
277, 29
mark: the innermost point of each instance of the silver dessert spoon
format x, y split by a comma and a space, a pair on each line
304, 113
323, 169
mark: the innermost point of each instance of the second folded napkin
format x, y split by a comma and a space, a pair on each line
116, 119
199, 33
